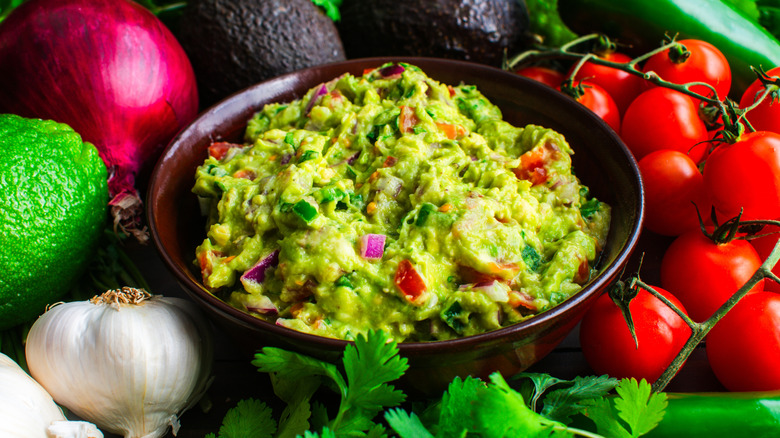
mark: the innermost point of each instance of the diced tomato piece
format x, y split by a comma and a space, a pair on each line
244, 173
521, 299
533, 164
452, 131
390, 161
407, 119
219, 149
409, 281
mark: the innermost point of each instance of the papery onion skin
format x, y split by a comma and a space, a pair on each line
110, 70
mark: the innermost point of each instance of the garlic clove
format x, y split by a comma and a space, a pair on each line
26, 409
128, 361
73, 429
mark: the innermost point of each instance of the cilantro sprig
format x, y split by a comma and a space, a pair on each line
533, 405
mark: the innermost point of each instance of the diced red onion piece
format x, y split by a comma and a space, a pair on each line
256, 273
495, 290
285, 159
265, 307
391, 70
372, 246
320, 91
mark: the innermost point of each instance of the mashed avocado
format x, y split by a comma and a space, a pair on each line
391, 201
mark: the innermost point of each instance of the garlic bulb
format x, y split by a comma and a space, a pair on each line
129, 361
28, 411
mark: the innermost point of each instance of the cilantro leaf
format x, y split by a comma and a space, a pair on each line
602, 412
250, 418
501, 411
455, 417
406, 425
288, 364
562, 404
541, 383
294, 420
639, 407
634, 412
369, 365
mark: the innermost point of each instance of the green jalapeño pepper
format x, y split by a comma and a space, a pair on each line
643, 24
724, 414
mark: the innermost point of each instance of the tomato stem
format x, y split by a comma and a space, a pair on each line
700, 329
733, 118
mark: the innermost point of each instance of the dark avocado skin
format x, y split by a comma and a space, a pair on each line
471, 30
234, 44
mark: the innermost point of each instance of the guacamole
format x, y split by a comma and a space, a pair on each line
392, 201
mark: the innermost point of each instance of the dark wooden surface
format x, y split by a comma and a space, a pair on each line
235, 378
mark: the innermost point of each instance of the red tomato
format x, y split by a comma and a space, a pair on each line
600, 102
764, 245
746, 175
674, 188
705, 64
661, 118
766, 116
621, 85
609, 348
544, 75
744, 347
703, 274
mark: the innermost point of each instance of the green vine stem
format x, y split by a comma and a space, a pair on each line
700, 329
733, 118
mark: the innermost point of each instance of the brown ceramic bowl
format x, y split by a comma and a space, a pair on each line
601, 161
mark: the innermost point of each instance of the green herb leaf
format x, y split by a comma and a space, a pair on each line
369, 365
562, 404
634, 412
250, 418
455, 417
406, 425
639, 407
290, 365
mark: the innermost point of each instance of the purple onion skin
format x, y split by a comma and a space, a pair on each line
107, 68
391, 70
257, 272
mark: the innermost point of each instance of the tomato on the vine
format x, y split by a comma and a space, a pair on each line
600, 102
743, 348
674, 190
545, 75
662, 118
704, 274
746, 175
766, 116
621, 85
705, 63
764, 245
609, 348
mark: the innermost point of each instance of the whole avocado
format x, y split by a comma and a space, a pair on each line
471, 30
234, 44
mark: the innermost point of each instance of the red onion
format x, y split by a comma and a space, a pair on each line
391, 70
372, 246
109, 69
256, 273
323, 90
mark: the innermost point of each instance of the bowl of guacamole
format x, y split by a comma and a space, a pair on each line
469, 213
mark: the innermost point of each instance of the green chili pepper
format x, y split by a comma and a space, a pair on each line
642, 25
713, 415
546, 23
305, 211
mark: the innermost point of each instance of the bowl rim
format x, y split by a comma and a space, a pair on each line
199, 292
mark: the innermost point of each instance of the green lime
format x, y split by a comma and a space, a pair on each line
53, 206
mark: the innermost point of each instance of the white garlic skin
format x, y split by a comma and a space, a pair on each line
129, 368
26, 409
